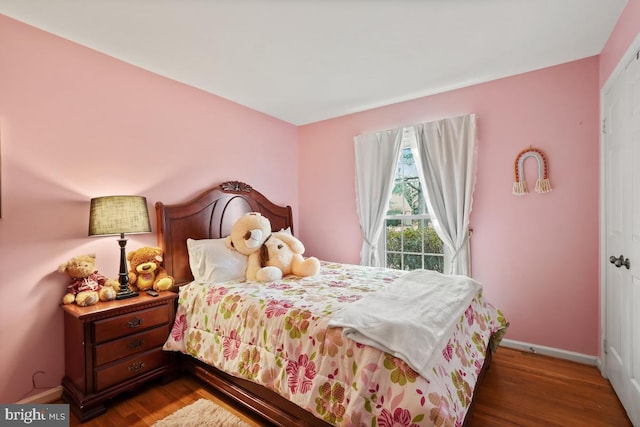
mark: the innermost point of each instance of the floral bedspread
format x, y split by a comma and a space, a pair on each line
276, 335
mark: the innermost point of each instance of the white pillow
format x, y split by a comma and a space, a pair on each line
212, 261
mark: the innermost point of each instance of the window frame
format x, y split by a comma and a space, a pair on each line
409, 141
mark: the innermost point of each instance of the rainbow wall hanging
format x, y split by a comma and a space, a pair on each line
542, 184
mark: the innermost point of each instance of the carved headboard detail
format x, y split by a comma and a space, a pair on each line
210, 215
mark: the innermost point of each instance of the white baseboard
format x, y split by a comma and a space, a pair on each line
553, 352
48, 396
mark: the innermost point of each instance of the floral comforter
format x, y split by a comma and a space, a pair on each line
276, 335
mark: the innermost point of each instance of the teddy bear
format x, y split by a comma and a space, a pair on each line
87, 286
285, 252
146, 270
270, 255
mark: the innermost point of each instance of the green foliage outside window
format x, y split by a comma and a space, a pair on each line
404, 246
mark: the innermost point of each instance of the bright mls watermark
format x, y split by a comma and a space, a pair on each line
53, 415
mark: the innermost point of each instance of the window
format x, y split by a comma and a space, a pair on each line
410, 241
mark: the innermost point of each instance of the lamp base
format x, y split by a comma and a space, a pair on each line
126, 293
123, 277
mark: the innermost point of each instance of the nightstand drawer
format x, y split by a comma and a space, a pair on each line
130, 323
129, 368
114, 346
130, 345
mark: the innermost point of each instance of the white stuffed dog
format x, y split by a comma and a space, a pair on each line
270, 255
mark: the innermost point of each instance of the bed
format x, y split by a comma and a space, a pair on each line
276, 348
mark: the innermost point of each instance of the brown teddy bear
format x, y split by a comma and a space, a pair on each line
87, 286
146, 271
270, 255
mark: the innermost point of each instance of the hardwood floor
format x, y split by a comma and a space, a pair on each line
520, 389
526, 389
155, 401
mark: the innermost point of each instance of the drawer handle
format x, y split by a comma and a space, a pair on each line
134, 323
136, 366
135, 343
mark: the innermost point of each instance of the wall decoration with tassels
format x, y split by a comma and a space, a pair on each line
542, 184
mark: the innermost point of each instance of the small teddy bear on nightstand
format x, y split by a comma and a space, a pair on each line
87, 286
146, 270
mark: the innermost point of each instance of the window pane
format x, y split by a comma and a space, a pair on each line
412, 262
394, 260
413, 195
434, 262
394, 235
413, 236
432, 243
407, 197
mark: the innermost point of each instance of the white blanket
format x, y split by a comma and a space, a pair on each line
412, 318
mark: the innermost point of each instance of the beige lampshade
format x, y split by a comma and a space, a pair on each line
118, 215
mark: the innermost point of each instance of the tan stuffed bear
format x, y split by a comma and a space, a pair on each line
270, 255
146, 271
87, 286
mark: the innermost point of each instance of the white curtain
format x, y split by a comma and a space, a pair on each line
448, 154
376, 159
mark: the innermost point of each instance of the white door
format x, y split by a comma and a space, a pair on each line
621, 160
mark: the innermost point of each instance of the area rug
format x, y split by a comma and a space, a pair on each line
202, 413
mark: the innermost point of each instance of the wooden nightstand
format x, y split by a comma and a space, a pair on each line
113, 347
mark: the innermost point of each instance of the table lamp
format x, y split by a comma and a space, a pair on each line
113, 215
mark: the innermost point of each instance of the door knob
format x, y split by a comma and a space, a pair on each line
620, 261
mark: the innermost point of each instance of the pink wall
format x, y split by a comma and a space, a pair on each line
76, 124
537, 255
623, 35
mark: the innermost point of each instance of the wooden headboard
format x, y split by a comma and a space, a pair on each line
210, 216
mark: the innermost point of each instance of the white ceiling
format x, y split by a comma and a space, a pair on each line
304, 61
